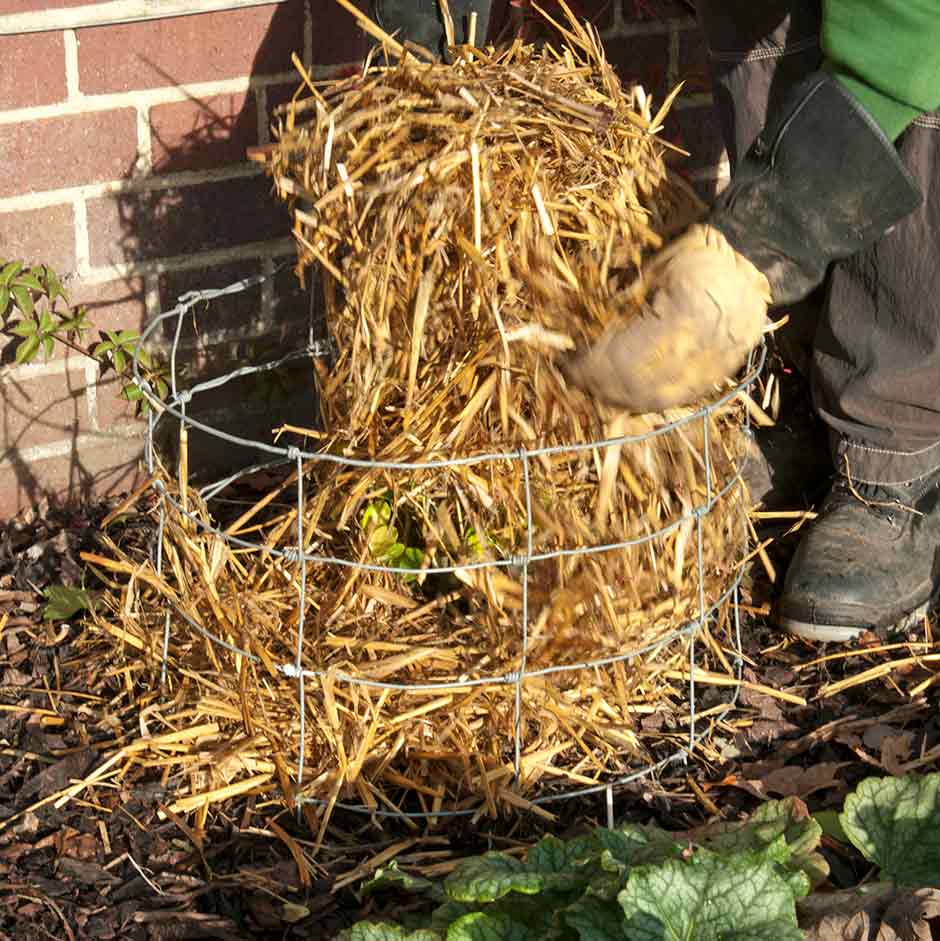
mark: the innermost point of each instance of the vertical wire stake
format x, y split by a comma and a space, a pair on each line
158, 565
298, 660
520, 675
164, 654
706, 447
610, 806
700, 562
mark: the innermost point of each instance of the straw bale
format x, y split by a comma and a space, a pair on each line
471, 222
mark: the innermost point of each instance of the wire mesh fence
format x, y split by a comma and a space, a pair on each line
177, 410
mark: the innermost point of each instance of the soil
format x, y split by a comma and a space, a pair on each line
103, 864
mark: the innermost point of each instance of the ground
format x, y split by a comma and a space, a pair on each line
100, 863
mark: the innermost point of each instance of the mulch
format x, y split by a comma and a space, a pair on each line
104, 863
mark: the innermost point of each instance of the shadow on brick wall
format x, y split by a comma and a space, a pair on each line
158, 220
227, 208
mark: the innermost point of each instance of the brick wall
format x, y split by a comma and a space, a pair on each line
123, 159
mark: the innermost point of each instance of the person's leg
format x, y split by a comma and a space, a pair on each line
420, 22
873, 556
877, 357
757, 52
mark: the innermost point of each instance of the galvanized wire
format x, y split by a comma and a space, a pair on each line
175, 407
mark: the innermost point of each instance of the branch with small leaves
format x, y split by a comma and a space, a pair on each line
35, 308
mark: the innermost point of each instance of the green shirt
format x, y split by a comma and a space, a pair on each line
887, 54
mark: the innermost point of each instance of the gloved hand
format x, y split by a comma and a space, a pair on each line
706, 311
820, 183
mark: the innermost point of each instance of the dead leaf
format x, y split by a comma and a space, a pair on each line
770, 779
882, 914
895, 751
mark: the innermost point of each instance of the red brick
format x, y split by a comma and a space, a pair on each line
182, 220
203, 133
184, 49
68, 151
29, 6
117, 305
42, 410
40, 235
97, 470
113, 411
32, 69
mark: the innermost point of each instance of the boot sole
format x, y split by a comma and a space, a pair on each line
840, 633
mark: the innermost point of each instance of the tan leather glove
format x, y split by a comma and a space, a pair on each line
706, 311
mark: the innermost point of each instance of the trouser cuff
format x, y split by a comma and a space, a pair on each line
875, 464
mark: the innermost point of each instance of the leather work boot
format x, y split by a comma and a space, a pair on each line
869, 562
420, 22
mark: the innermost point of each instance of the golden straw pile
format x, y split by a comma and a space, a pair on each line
472, 221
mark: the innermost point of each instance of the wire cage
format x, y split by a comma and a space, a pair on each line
176, 411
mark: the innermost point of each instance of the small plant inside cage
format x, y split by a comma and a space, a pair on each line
473, 587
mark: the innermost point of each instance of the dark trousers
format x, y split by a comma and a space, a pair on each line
876, 352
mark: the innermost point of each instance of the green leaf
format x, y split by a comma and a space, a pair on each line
411, 558
710, 898
27, 349
4, 299
391, 877
120, 360
492, 876
10, 271
24, 328
28, 280
63, 603
132, 392
830, 824
127, 337
383, 931
893, 822
23, 298
444, 915
595, 919
789, 819
483, 926
382, 541
635, 846
48, 346
46, 323
54, 287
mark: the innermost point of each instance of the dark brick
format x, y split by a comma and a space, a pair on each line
203, 133
183, 49
40, 236
32, 70
646, 10
337, 37
277, 95
181, 220
698, 131
232, 313
693, 62
68, 151
642, 60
